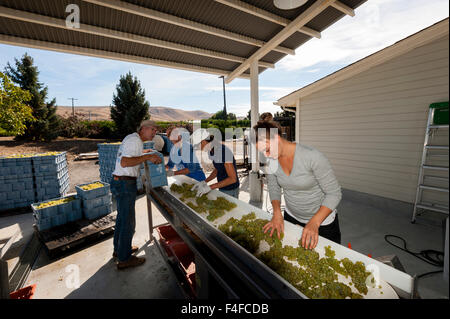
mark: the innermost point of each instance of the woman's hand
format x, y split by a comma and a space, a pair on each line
277, 223
310, 235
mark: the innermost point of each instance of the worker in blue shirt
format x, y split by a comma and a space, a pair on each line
224, 167
182, 157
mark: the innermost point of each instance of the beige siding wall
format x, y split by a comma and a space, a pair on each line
372, 126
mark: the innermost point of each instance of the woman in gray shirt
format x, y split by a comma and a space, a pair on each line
311, 191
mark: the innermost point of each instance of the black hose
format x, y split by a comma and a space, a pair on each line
430, 256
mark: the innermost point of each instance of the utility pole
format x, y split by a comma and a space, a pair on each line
73, 108
224, 99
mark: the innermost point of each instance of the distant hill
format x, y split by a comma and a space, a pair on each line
162, 113
157, 113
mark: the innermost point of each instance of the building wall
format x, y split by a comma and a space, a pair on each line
372, 126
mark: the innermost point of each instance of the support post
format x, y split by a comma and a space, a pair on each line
149, 201
255, 182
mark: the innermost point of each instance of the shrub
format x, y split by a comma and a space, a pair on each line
75, 126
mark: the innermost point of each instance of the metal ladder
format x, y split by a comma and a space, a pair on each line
431, 128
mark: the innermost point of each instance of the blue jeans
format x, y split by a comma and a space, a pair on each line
125, 192
232, 192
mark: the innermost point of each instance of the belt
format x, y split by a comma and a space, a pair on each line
124, 178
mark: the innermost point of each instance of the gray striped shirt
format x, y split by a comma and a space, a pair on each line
310, 185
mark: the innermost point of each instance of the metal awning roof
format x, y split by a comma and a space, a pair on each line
220, 37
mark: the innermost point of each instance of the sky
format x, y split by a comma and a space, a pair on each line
376, 25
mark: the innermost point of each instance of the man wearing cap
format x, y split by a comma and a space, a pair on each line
225, 169
123, 186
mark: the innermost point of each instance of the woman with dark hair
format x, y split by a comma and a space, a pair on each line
310, 188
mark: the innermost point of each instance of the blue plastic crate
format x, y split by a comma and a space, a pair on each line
14, 195
49, 159
52, 175
46, 212
61, 209
93, 193
59, 219
98, 212
5, 187
50, 168
43, 223
158, 176
92, 204
7, 204
74, 215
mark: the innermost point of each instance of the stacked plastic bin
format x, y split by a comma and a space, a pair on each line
51, 176
16, 182
95, 203
158, 176
107, 155
140, 185
53, 215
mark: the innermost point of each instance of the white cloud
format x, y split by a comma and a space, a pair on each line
376, 25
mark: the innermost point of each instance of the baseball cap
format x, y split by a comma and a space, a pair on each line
199, 135
147, 123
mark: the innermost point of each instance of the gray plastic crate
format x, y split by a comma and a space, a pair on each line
61, 209
98, 212
43, 223
93, 193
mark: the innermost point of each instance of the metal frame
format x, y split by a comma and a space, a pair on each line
420, 186
254, 276
225, 263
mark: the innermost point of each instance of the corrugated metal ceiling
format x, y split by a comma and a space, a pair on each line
207, 12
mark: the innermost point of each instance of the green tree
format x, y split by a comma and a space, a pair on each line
45, 126
220, 116
14, 112
284, 114
129, 107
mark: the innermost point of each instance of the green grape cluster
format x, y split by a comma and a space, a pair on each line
215, 208
316, 277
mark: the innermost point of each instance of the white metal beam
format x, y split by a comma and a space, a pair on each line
266, 15
343, 8
185, 23
44, 45
254, 182
301, 20
89, 29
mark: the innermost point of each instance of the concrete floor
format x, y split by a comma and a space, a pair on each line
361, 225
98, 276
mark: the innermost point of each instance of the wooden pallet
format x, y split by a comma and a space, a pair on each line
67, 238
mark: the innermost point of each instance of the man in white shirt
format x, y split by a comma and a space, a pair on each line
123, 186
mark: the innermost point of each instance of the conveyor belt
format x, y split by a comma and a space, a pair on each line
254, 275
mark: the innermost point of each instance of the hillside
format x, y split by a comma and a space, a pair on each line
157, 113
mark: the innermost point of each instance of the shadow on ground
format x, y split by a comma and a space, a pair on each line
149, 281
